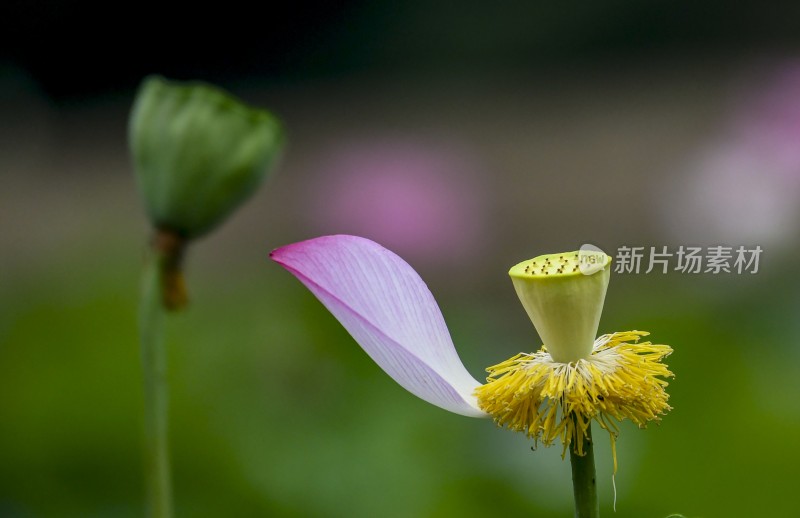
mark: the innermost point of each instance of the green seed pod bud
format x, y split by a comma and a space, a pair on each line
198, 153
563, 295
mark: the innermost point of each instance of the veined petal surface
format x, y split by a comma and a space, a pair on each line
388, 309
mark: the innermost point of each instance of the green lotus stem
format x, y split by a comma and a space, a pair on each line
584, 483
151, 331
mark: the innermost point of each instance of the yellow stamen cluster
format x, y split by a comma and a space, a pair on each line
546, 400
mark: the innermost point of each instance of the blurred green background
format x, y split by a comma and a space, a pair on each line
465, 141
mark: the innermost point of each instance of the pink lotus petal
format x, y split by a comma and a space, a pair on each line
389, 311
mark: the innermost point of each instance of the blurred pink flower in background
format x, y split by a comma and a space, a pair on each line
420, 197
769, 122
744, 188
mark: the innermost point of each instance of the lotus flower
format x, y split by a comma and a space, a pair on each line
552, 394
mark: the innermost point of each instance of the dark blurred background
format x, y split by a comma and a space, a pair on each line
466, 139
78, 50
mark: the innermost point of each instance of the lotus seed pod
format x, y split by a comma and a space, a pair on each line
198, 153
563, 295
